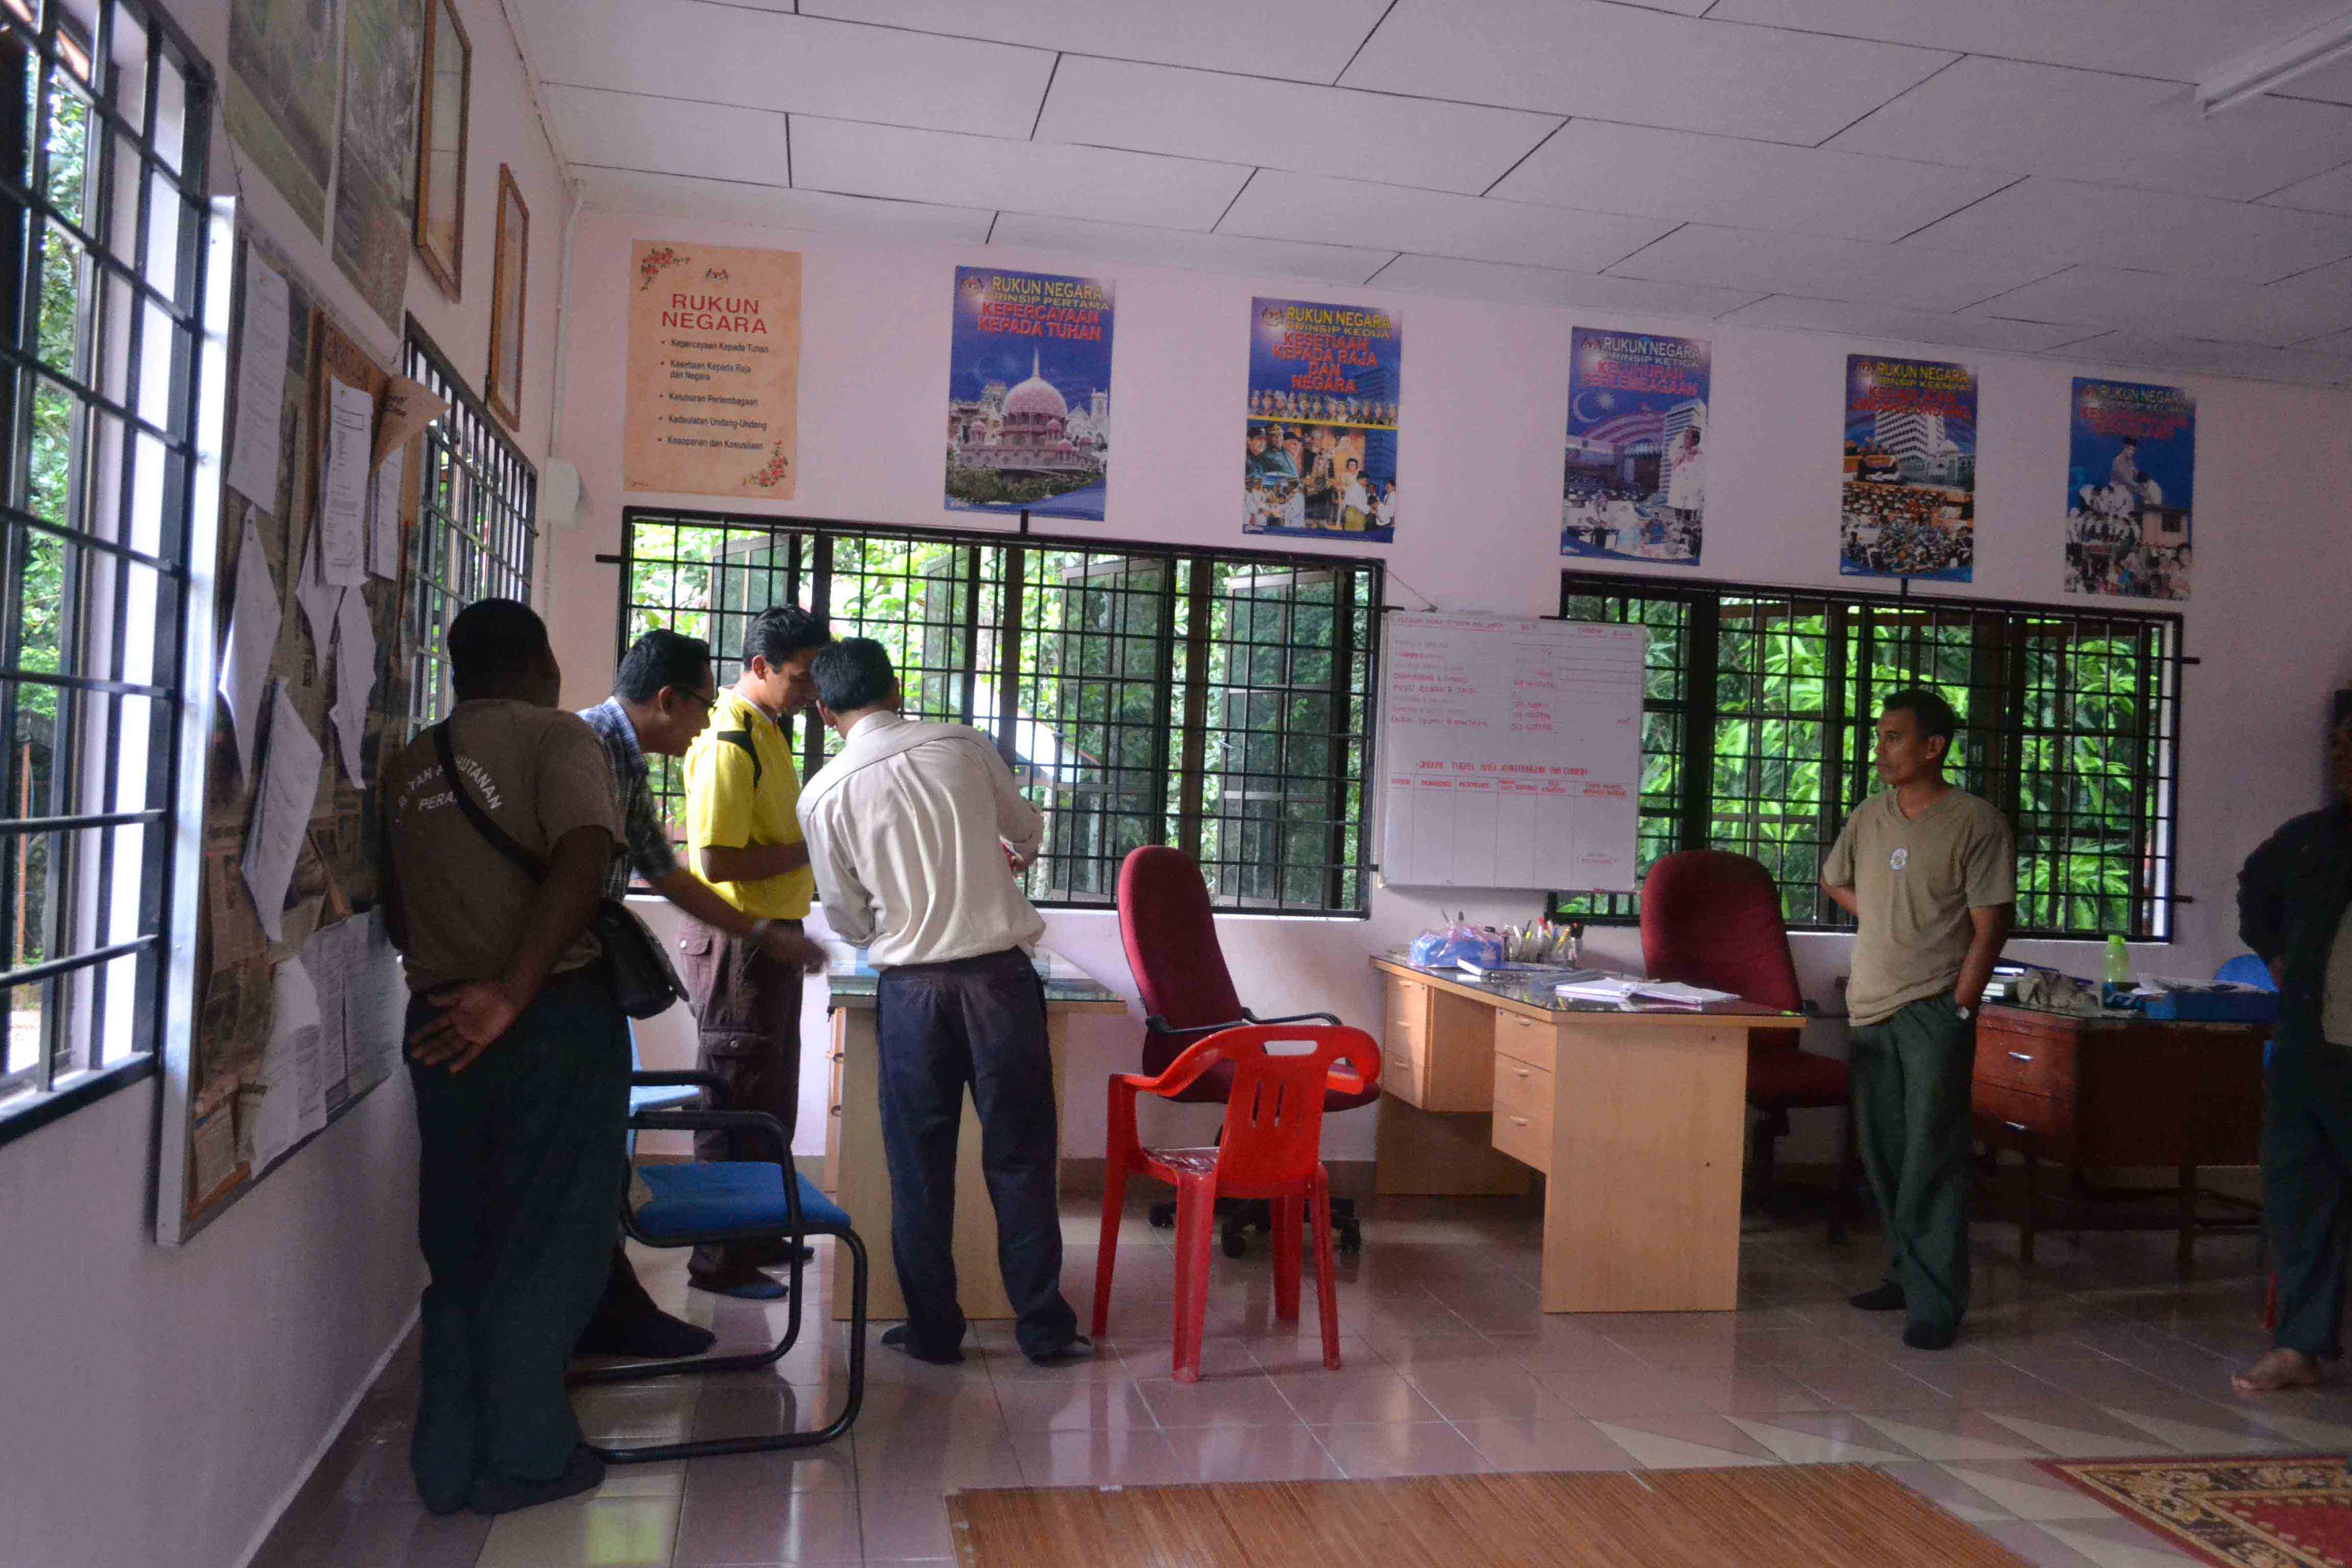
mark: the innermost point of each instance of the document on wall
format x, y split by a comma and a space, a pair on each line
375, 1003
282, 813
355, 679
385, 519
343, 487
319, 598
293, 1088
327, 960
1511, 753
262, 339
253, 624
409, 406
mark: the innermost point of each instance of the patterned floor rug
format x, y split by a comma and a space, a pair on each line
2280, 1512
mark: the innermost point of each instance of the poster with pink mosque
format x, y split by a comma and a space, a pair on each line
1029, 393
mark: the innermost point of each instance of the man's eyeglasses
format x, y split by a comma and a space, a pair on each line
708, 702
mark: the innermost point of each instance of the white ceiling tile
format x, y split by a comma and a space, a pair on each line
2331, 83
2182, 39
2067, 221
1908, 326
2090, 125
1184, 249
2162, 305
1824, 268
760, 59
1587, 58
1287, 125
1026, 176
1548, 286
2338, 344
2217, 359
1309, 41
1603, 166
1278, 205
769, 206
631, 130
2327, 192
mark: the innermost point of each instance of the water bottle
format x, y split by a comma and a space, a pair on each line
2116, 989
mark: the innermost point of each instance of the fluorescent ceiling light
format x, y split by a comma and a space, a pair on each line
2268, 69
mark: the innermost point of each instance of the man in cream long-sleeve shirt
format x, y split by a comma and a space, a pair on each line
914, 830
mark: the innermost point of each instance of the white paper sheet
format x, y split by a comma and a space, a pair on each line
319, 600
375, 1005
327, 960
282, 813
384, 519
342, 487
293, 1089
409, 406
263, 335
252, 637
354, 678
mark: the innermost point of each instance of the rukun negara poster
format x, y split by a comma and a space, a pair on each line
1321, 442
1029, 393
1634, 484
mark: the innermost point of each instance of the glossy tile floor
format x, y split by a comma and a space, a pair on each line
2096, 1351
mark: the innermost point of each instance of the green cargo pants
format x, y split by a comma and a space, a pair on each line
2306, 1175
1911, 1077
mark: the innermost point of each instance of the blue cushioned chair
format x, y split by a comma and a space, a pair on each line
733, 1200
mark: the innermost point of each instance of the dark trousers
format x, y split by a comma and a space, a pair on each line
2306, 1167
747, 1009
1911, 1077
981, 1022
519, 1191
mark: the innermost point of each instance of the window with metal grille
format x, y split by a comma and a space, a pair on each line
105, 226
1218, 701
1759, 728
475, 524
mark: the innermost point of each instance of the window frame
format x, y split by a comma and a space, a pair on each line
1185, 768
143, 385
1999, 628
466, 451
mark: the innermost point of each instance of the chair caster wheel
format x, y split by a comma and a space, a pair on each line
1162, 1216
1351, 1239
1236, 1242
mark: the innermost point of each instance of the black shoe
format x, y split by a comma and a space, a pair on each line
777, 1254
654, 1335
1886, 1296
584, 1472
1078, 1348
744, 1285
899, 1340
1920, 1337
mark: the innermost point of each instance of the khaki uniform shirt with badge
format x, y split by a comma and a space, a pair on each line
1917, 878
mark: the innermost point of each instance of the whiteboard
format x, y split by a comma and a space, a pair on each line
1511, 753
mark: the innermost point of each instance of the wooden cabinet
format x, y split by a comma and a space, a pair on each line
1437, 1051
1523, 1106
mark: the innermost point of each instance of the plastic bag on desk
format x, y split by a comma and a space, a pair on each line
1449, 945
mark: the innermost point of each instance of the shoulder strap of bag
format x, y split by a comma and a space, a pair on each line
500, 839
744, 738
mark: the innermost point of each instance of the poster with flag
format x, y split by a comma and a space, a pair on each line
1029, 393
1908, 503
1634, 484
2131, 456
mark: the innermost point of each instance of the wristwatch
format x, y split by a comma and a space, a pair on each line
760, 927
1964, 1013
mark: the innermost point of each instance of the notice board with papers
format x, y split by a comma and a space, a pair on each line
1510, 752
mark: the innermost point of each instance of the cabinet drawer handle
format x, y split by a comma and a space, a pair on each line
2017, 1127
833, 1109
2020, 1056
1521, 1071
1520, 1119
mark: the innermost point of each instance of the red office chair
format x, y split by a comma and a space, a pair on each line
1713, 918
1171, 938
1279, 1080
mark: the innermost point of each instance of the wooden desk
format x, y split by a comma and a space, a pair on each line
859, 1176
2119, 1091
1637, 1121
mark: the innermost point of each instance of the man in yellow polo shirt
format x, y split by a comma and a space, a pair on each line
745, 839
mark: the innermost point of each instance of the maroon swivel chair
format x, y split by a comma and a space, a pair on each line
1713, 918
1171, 936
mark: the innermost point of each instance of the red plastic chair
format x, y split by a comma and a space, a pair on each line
1713, 918
1270, 1149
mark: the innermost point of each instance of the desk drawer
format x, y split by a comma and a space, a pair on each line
1523, 1099
2034, 1064
2013, 1110
1400, 1073
1524, 1039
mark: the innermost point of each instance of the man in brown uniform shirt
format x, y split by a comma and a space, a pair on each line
1929, 873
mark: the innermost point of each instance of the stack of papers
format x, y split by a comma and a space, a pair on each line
1490, 969
1627, 990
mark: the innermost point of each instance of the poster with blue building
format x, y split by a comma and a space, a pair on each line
1909, 501
1320, 454
2131, 460
1635, 483
1029, 393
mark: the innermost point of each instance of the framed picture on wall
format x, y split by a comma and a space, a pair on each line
512, 261
446, 90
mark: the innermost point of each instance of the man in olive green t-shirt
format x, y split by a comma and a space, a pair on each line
1929, 873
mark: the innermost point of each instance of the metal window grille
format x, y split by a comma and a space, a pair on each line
476, 525
104, 220
1220, 702
1758, 730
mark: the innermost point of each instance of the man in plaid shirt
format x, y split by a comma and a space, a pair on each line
661, 700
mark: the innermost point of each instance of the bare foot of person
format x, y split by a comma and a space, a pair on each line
2277, 1370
